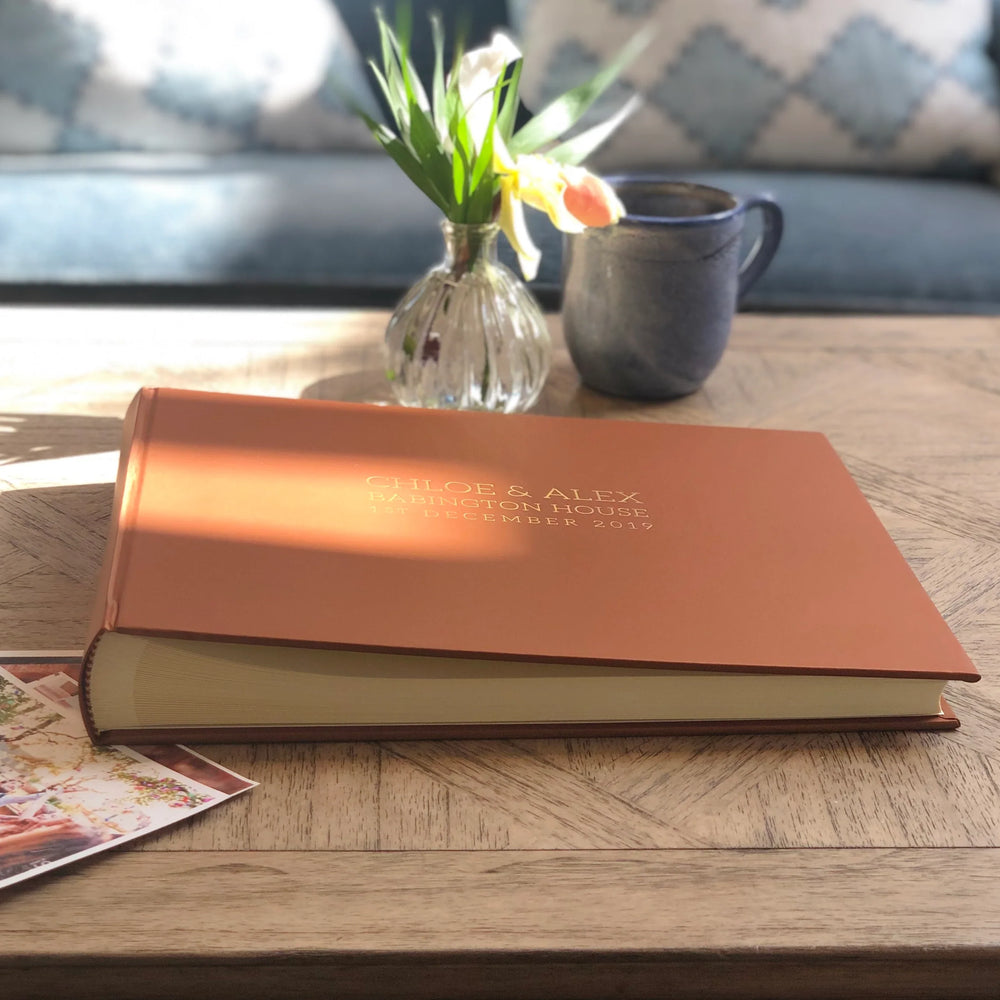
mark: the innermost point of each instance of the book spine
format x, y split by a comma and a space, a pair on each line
128, 486
86, 709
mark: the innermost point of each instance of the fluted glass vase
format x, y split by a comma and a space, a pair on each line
468, 335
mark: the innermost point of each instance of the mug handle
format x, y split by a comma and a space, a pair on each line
766, 245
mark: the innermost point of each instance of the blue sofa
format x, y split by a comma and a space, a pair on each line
335, 221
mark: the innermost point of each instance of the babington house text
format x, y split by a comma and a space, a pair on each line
555, 505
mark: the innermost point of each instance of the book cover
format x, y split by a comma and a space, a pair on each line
624, 543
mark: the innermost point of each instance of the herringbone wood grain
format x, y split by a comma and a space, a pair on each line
912, 405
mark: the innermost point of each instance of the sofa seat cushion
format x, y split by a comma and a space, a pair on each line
352, 222
875, 243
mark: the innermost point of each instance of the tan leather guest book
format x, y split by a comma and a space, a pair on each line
293, 569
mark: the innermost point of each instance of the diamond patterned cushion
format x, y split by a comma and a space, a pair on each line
178, 75
905, 85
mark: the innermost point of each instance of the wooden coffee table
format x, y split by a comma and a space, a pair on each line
756, 866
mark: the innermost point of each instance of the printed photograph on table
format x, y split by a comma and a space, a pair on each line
61, 797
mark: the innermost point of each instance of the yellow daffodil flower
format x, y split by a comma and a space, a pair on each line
572, 197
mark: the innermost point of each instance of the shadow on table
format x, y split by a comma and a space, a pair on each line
363, 386
52, 541
32, 437
63, 526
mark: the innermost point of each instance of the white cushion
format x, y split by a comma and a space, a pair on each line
903, 85
178, 75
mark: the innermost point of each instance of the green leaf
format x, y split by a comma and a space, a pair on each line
480, 206
482, 168
460, 176
404, 26
432, 143
395, 88
565, 111
453, 109
400, 41
453, 106
423, 137
426, 144
407, 162
483, 161
507, 114
577, 149
437, 85
384, 85
411, 167
484, 158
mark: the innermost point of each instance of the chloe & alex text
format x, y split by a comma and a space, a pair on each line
395, 483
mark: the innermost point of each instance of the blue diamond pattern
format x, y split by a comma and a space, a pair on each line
520, 10
226, 94
634, 8
571, 64
231, 103
870, 81
978, 74
725, 91
213, 72
45, 56
721, 94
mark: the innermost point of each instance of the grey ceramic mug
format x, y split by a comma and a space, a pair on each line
648, 303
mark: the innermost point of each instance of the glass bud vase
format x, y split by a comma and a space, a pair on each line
468, 335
